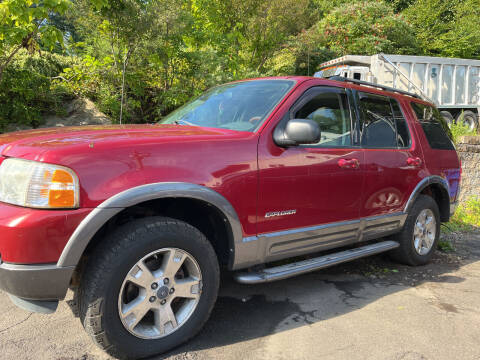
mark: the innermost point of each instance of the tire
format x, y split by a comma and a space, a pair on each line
104, 289
469, 118
407, 253
448, 117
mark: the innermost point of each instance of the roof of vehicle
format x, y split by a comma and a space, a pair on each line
351, 84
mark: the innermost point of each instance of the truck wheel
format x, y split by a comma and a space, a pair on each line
468, 118
448, 117
148, 287
419, 236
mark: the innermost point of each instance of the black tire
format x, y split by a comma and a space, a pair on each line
114, 258
406, 253
469, 118
448, 117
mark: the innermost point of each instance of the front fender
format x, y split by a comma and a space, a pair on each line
86, 230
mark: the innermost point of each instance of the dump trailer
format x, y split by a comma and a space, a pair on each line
453, 85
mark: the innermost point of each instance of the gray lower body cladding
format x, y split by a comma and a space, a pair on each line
280, 245
35, 282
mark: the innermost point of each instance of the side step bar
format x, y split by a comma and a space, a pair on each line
305, 266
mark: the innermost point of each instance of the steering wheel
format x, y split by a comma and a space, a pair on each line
255, 119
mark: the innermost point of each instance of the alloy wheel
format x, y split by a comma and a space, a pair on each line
160, 293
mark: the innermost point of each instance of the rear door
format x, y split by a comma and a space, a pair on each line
393, 162
309, 195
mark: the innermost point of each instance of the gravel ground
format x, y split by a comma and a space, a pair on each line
367, 309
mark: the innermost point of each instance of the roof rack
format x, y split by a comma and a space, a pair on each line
361, 82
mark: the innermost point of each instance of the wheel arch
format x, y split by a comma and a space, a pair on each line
86, 233
436, 187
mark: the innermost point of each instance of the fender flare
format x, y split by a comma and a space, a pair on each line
99, 216
434, 179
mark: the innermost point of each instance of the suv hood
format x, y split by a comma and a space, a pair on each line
33, 144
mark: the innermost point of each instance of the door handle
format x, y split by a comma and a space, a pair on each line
348, 163
414, 161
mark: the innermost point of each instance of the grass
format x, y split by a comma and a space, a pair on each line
445, 246
459, 129
466, 218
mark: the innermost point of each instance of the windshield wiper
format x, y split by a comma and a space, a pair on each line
183, 122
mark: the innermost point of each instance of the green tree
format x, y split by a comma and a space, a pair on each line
365, 28
447, 27
24, 24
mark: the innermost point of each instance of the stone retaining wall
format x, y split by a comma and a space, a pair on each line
468, 148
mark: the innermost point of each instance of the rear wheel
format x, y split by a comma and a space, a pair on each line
448, 117
149, 287
420, 233
468, 118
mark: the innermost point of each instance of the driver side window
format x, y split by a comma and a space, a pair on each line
330, 110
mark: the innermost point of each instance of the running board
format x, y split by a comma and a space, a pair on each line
305, 266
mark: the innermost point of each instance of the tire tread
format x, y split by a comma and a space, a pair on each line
103, 261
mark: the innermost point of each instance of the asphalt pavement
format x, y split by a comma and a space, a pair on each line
368, 309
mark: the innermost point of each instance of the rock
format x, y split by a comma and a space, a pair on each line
79, 112
16, 127
469, 152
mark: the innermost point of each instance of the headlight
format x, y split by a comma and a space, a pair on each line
38, 185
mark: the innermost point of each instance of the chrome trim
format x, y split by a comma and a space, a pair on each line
308, 229
382, 225
434, 179
294, 242
99, 216
305, 266
250, 238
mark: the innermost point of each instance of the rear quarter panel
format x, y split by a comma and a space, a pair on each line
444, 163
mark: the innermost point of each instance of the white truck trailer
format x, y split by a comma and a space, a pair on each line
452, 84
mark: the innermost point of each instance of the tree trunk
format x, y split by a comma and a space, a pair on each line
125, 62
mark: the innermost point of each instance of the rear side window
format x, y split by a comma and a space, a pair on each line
382, 123
434, 126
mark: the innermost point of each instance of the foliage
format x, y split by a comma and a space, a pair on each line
445, 245
23, 24
140, 59
351, 28
26, 91
447, 27
466, 217
366, 28
459, 129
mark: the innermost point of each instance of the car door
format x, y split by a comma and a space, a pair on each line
310, 195
393, 163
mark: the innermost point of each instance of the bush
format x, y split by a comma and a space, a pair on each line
459, 129
26, 92
467, 216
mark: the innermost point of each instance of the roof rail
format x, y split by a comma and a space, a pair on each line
366, 83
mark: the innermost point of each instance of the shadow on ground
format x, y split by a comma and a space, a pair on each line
338, 290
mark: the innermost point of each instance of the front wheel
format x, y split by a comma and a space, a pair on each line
419, 236
149, 287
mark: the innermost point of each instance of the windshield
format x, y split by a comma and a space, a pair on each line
239, 106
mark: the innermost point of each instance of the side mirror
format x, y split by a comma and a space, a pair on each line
297, 132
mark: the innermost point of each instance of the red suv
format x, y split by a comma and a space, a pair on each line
139, 219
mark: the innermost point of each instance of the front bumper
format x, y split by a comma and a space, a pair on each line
35, 282
36, 236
